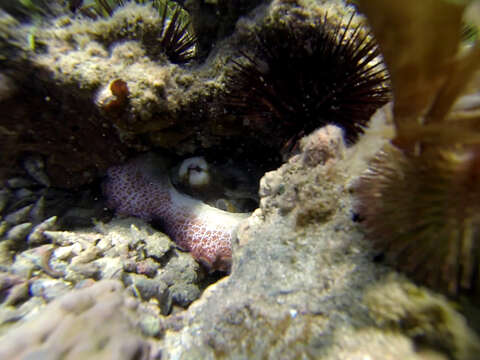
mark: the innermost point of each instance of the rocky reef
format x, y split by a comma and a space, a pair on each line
95, 260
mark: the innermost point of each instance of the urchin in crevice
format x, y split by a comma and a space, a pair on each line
306, 73
175, 35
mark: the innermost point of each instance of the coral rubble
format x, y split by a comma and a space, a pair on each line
65, 325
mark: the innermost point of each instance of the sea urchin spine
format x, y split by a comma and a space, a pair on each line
420, 198
307, 73
428, 205
175, 34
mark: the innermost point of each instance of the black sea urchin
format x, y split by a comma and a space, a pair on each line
423, 212
175, 35
307, 73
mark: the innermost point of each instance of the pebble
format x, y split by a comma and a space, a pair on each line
90, 270
5, 255
147, 267
37, 236
29, 260
77, 248
23, 266
7, 281
63, 252
120, 249
64, 238
89, 254
147, 288
48, 289
104, 244
151, 326
110, 268
184, 294
17, 294
157, 246
130, 265
84, 283
27, 310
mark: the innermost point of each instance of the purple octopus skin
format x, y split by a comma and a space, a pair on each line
142, 188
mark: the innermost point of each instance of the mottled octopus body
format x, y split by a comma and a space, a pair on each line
142, 188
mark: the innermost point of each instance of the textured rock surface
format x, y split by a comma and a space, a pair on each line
303, 227
303, 283
299, 278
128, 250
94, 322
30, 207
58, 109
58, 84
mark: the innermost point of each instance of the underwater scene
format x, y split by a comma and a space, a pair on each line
240, 179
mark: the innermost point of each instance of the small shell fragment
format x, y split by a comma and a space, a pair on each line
37, 236
19, 232
19, 216
24, 193
38, 211
17, 294
4, 197
3, 227
62, 238
113, 97
63, 252
35, 167
19, 182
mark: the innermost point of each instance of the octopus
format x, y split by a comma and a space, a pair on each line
142, 188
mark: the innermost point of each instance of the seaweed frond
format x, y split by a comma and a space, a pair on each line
420, 198
419, 42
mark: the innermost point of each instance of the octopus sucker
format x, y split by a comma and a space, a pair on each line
143, 188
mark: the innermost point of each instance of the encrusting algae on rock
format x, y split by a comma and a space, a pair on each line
425, 317
299, 277
74, 59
